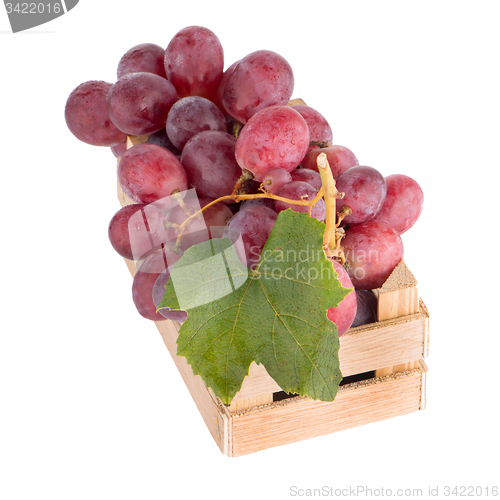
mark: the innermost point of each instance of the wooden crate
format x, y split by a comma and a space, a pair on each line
382, 364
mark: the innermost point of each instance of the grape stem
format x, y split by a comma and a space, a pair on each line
333, 234
237, 198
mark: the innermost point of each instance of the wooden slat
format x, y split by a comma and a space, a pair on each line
257, 389
362, 349
214, 413
299, 418
295, 102
380, 346
398, 296
123, 198
383, 344
133, 140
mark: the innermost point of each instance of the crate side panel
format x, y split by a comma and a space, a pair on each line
383, 344
215, 416
302, 418
363, 349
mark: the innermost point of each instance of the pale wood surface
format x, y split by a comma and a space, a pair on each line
213, 412
123, 198
257, 389
362, 349
300, 418
398, 296
388, 346
397, 303
133, 140
295, 102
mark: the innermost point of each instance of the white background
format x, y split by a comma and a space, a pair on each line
91, 403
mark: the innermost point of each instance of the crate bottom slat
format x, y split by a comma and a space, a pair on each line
301, 418
291, 419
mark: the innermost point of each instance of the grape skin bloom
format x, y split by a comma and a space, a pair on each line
276, 136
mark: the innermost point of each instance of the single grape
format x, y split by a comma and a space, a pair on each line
144, 280
253, 225
192, 115
305, 175
211, 224
267, 202
373, 249
298, 190
365, 191
137, 229
142, 58
119, 149
403, 203
160, 138
343, 315
261, 79
221, 88
276, 136
147, 173
367, 308
138, 103
275, 178
319, 128
159, 292
194, 62
209, 161
339, 159
87, 116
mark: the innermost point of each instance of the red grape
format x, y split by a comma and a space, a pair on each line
119, 149
159, 291
87, 116
144, 280
138, 103
343, 315
148, 173
221, 88
192, 115
136, 229
364, 189
253, 225
403, 203
310, 176
160, 138
367, 308
267, 202
261, 79
211, 225
276, 136
339, 159
194, 62
275, 178
209, 160
298, 190
373, 250
143, 58
319, 129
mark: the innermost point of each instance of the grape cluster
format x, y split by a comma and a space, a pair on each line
213, 133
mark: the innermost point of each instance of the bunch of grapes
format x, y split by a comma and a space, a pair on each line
210, 134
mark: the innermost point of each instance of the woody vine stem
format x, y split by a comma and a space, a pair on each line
333, 233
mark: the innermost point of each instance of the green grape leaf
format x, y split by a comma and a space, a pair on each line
274, 315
